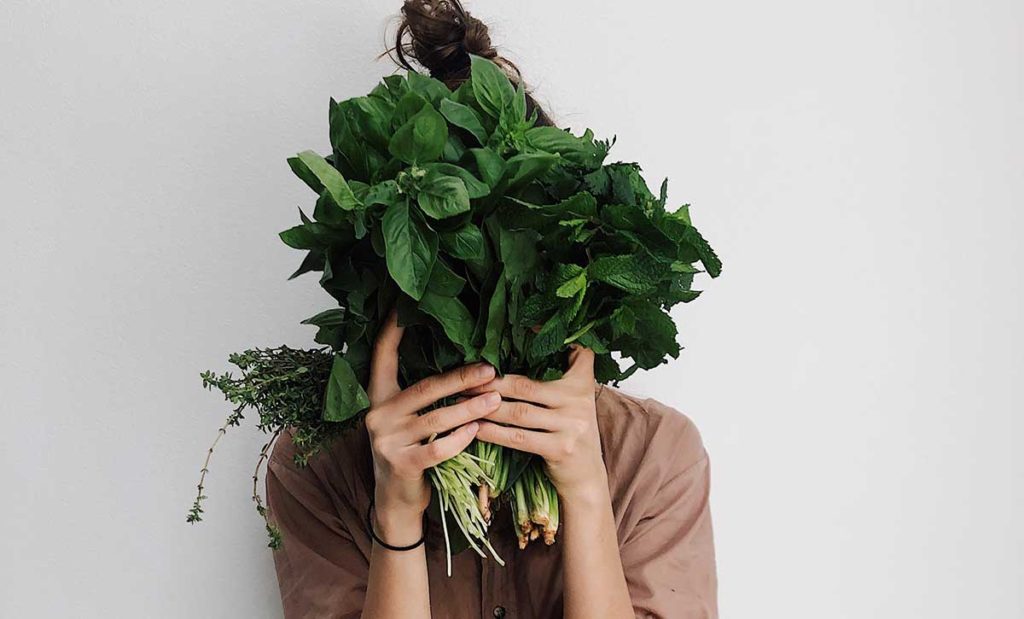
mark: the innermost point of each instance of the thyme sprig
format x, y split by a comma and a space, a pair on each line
285, 387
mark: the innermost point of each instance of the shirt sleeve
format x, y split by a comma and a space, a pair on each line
321, 569
669, 557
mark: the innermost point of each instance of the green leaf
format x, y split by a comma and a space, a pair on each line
344, 397
496, 320
628, 186
682, 213
444, 281
552, 374
327, 210
623, 321
454, 318
518, 251
314, 261
591, 340
441, 196
577, 208
408, 106
373, 115
464, 117
655, 336
330, 324
422, 139
465, 243
305, 174
411, 248
454, 149
577, 283
708, 257
582, 151
527, 167
474, 187
517, 110
397, 85
327, 318
382, 193
431, 89
597, 182
638, 273
581, 205
492, 88
550, 339
307, 236
683, 267
492, 167
331, 180
663, 194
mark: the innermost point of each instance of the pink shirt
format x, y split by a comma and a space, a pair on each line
658, 475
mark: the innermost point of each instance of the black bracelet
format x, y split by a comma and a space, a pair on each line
382, 543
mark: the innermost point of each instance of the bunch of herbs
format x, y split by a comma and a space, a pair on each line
494, 239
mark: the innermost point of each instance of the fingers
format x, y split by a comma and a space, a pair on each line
516, 387
581, 362
525, 415
444, 419
434, 388
544, 444
446, 447
383, 382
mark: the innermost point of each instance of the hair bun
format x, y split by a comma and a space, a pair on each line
440, 35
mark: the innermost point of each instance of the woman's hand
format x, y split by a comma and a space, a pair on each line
397, 432
556, 420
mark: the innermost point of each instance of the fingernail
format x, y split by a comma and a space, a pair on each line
484, 370
492, 399
472, 427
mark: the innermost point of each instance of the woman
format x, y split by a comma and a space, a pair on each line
631, 474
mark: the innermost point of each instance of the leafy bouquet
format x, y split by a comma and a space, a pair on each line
495, 239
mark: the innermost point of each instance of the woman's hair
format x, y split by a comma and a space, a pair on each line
440, 35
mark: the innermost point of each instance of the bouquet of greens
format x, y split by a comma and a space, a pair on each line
494, 239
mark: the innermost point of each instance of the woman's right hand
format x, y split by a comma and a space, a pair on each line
397, 433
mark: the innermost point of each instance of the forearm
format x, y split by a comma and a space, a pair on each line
397, 584
594, 582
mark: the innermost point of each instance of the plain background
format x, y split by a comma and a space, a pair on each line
856, 372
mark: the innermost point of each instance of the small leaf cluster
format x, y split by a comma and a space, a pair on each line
495, 239
285, 387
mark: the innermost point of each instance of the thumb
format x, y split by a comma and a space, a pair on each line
384, 366
581, 362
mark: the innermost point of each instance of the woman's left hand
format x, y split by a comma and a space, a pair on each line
556, 420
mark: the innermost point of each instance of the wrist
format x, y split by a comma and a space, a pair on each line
396, 521
399, 502
397, 526
593, 494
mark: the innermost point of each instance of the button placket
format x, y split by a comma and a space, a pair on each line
495, 582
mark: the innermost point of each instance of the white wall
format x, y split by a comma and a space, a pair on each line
856, 371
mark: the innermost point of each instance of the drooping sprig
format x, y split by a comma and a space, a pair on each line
285, 387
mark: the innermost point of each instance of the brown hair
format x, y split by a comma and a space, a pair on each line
440, 35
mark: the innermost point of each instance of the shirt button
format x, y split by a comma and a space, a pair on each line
499, 612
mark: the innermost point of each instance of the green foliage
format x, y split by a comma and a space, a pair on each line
501, 240
468, 185
495, 239
344, 397
286, 388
